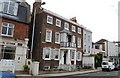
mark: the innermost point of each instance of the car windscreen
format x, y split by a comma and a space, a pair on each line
105, 63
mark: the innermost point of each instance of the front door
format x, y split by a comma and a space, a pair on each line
65, 57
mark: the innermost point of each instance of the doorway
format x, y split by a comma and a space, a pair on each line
65, 55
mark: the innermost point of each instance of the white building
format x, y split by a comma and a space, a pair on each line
87, 41
87, 49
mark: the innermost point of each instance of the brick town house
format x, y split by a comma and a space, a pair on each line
57, 41
14, 26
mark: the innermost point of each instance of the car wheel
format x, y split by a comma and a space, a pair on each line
109, 69
103, 69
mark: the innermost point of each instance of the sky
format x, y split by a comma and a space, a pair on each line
99, 16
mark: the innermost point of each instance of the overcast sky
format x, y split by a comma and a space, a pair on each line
100, 16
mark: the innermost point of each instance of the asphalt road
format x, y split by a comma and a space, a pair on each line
99, 74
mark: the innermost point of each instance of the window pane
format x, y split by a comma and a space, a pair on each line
10, 31
1, 6
8, 52
5, 7
11, 10
4, 23
11, 25
4, 30
57, 37
48, 35
47, 53
56, 53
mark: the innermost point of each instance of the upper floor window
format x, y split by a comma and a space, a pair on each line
49, 19
7, 29
79, 30
73, 28
79, 42
66, 26
58, 22
48, 35
9, 7
57, 37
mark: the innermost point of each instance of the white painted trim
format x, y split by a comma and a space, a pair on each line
59, 21
55, 38
49, 53
48, 16
50, 36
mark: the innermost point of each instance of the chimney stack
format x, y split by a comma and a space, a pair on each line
73, 19
38, 0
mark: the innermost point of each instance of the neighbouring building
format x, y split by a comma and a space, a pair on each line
14, 26
98, 48
57, 41
109, 49
87, 49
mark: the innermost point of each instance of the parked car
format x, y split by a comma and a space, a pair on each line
117, 67
106, 65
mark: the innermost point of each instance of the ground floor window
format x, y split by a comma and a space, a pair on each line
8, 52
46, 53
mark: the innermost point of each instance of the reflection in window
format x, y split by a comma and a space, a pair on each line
7, 29
8, 52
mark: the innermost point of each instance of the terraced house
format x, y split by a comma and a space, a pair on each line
14, 26
57, 41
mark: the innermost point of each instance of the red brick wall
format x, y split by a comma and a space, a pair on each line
20, 29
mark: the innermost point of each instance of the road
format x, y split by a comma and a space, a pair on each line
99, 74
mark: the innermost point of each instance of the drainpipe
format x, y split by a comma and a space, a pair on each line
33, 32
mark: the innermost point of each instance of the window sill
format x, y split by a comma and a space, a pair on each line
6, 35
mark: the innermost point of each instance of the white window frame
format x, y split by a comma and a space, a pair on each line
58, 53
44, 50
57, 41
79, 56
73, 28
79, 30
79, 42
51, 21
72, 55
15, 9
66, 26
46, 39
58, 20
8, 26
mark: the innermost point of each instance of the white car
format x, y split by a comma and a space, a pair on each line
106, 65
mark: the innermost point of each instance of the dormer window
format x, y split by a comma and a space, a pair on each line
9, 7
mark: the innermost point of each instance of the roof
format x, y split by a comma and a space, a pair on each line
68, 20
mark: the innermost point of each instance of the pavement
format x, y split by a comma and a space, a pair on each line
83, 71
